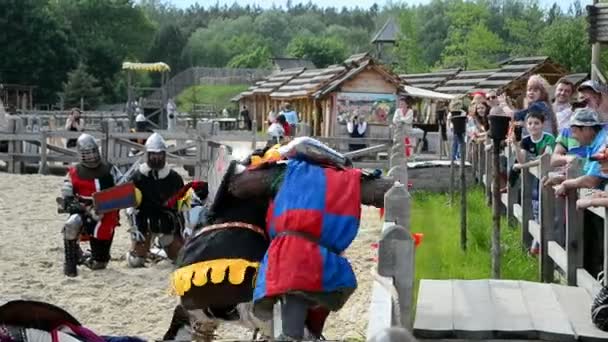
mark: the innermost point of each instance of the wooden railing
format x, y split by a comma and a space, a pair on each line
31, 143
391, 302
559, 228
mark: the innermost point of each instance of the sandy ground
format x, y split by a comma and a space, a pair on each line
119, 300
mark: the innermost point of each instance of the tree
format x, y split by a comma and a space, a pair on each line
168, 44
565, 41
470, 44
106, 34
322, 51
37, 47
81, 84
408, 51
256, 58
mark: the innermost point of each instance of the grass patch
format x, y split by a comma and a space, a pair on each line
218, 95
440, 257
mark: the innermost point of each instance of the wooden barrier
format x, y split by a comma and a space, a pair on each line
391, 302
557, 252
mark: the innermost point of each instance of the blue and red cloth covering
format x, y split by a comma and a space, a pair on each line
319, 208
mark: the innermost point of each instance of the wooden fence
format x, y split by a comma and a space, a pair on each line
30, 142
391, 302
559, 225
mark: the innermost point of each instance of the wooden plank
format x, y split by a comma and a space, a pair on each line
558, 254
434, 311
473, 311
380, 308
576, 303
512, 319
534, 229
586, 281
548, 319
517, 212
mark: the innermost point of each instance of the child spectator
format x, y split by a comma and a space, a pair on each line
530, 148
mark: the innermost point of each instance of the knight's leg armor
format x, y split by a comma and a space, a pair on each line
140, 241
71, 230
100, 254
293, 316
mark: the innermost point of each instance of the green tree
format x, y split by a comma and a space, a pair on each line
256, 58
322, 51
36, 47
408, 50
81, 84
107, 33
565, 41
470, 44
167, 46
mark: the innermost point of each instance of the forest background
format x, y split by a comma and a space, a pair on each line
55, 43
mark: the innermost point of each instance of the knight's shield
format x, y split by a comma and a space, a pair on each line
115, 198
219, 170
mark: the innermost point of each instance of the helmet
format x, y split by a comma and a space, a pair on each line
140, 118
88, 151
156, 149
140, 123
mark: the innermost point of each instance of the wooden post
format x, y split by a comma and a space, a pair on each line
605, 280
463, 195
526, 208
546, 216
488, 172
452, 174
495, 210
254, 132
396, 249
512, 192
574, 228
480, 162
595, 56
43, 167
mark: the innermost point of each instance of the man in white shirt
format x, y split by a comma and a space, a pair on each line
561, 106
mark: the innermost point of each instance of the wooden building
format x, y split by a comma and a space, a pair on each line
17, 96
324, 97
511, 77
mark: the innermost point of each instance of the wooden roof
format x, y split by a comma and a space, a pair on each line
307, 82
455, 81
430, 80
465, 81
270, 83
388, 33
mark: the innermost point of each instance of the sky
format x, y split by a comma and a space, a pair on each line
338, 3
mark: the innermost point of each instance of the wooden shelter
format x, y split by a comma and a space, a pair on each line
430, 80
17, 96
510, 77
153, 109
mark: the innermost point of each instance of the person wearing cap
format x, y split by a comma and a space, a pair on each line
590, 93
588, 131
455, 109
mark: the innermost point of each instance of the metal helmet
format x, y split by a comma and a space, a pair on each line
88, 151
156, 150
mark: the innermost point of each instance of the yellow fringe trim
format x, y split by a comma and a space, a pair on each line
196, 274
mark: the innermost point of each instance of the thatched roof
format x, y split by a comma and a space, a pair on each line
270, 83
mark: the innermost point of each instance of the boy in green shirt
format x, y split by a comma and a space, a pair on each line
528, 151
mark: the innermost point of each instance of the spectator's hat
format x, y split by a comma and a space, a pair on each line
593, 85
585, 117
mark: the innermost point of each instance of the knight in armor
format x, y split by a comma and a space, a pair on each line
155, 216
90, 175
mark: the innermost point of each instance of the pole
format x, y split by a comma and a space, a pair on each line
496, 210
595, 56
452, 171
463, 195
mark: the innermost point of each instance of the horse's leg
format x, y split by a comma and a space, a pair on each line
203, 327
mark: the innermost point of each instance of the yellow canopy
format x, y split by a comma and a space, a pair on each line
158, 67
